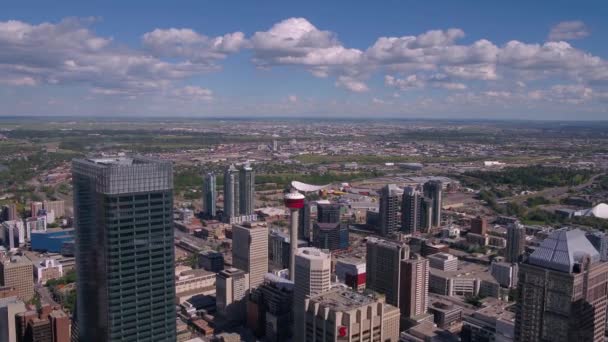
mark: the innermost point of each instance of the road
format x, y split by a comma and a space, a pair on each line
551, 193
45, 295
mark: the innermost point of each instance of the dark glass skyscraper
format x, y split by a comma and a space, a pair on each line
247, 190
124, 249
434, 190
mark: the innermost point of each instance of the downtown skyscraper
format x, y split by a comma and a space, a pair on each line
247, 190
389, 209
416, 211
231, 193
434, 190
209, 195
123, 211
562, 291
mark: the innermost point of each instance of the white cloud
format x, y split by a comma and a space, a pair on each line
194, 93
292, 98
186, 43
351, 84
568, 30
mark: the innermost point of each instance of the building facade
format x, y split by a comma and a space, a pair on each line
247, 190
209, 195
345, 315
516, 242
231, 193
562, 291
123, 212
383, 267
250, 250
18, 273
232, 286
389, 210
434, 190
312, 277
414, 287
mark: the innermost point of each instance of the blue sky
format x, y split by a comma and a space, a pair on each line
454, 59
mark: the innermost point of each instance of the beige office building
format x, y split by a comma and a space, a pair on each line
345, 315
18, 272
250, 250
414, 286
9, 307
312, 277
231, 289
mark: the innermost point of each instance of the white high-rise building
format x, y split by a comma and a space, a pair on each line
312, 277
250, 250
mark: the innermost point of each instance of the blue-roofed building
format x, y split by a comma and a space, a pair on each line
53, 240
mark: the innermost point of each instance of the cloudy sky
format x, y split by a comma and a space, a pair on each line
422, 59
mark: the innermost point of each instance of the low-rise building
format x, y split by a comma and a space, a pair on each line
443, 261
190, 283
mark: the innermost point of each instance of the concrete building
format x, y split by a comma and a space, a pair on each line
9, 212
57, 207
18, 272
516, 242
345, 315
389, 210
35, 208
312, 277
9, 308
383, 267
331, 236
123, 215
232, 286
46, 325
433, 189
479, 225
562, 291
48, 269
190, 283
231, 194
416, 212
492, 323
279, 249
414, 287
505, 273
469, 280
250, 250
246, 190
211, 261
445, 314
351, 271
14, 234
209, 195
443, 261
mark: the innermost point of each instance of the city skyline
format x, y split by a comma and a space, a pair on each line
300, 60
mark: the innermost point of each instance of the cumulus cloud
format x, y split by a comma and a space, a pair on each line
351, 84
568, 30
186, 43
193, 93
68, 52
418, 82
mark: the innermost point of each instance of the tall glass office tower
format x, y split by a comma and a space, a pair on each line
247, 190
124, 249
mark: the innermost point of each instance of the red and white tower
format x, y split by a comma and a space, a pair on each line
294, 201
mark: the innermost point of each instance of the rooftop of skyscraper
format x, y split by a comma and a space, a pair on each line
343, 299
313, 253
563, 250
